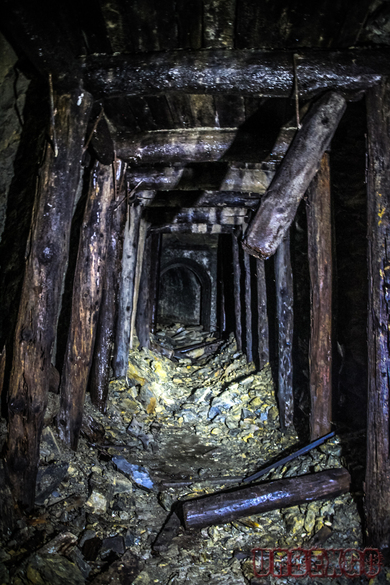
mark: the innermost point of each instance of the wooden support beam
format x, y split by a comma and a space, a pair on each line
86, 299
126, 290
262, 315
280, 203
193, 228
143, 229
248, 308
319, 228
251, 177
234, 71
228, 506
176, 145
105, 335
377, 483
210, 215
206, 198
285, 324
46, 263
237, 293
148, 293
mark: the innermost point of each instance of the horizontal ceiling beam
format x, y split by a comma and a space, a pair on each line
234, 71
197, 215
251, 178
182, 199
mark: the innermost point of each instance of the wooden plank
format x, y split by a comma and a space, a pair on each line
230, 110
86, 298
142, 114
180, 107
160, 110
256, 24
118, 26
167, 24
46, 261
203, 111
105, 334
119, 113
218, 24
189, 29
285, 321
377, 482
231, 71
262, 315
143, 17
278, 207
143, 228
228, 506
126, 291
237, 293
319, 229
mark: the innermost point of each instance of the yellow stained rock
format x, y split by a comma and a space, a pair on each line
151, 406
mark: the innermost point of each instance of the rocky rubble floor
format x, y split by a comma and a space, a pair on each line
171, 431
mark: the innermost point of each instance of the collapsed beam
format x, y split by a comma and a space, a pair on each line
238, 72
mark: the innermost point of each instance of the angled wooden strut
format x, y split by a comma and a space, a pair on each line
280, 202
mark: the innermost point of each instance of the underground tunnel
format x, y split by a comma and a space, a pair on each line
194, 345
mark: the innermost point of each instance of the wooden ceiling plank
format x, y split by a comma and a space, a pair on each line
120, 114
218, 24
230, 110
167, 24
181, 111
142, 15
203, 110
118, 26
189, 29
160, 110
142, 114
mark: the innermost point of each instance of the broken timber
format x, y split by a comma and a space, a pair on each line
228, 506
234, 71
280, 203
86, 298
377, 482
318, 210
39, 307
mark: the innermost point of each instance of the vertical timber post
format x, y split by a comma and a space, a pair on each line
319, 230
248, 307
147, 289
46, 263
126, 290
86, 298
237, 292
285, 321
262, 315
377, 483
105, 334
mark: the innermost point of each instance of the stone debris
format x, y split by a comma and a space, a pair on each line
172, 431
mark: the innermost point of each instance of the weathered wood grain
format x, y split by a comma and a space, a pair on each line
279, 205
285, 324
377, 483
86, 298
228, 506
39, 307
262, 315
319, 230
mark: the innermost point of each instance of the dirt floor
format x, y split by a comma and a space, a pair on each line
174, 430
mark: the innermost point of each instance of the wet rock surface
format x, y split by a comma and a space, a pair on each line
172, 431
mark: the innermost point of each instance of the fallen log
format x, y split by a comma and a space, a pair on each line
39, 306
319, 230
225, 507
280, 203
86, 299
